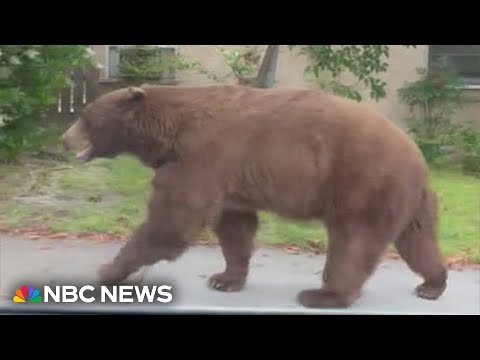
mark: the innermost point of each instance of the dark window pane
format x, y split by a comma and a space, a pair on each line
464, 59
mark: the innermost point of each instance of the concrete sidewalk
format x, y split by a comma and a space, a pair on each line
275, 279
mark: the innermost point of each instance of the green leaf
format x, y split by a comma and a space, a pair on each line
365, 62
5, 72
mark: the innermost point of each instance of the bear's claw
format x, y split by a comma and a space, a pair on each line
225, 282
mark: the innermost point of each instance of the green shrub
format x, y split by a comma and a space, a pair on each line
468, 142
30, 78
433, 99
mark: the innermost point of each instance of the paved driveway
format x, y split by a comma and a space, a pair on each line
275, 279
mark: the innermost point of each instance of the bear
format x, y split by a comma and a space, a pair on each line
222, 153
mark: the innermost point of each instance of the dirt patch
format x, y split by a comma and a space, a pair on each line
44, 232
48, 200
55, 199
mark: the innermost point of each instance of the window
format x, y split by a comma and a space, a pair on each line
464, 59
113, 59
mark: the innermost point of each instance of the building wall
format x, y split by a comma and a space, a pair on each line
101, 57
403, 64
289, 69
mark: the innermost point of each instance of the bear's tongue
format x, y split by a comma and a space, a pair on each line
84, 155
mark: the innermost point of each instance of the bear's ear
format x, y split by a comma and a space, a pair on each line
136, 93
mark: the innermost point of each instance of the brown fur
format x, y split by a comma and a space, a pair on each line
222, 153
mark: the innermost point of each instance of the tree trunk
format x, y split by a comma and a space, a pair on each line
266, 74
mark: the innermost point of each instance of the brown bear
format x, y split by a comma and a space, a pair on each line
222, 153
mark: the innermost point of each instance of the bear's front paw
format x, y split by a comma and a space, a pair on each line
226, 282
111, 273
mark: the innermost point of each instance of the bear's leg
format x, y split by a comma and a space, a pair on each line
165, 235
236, 231
417, 245
148, 245
351, 259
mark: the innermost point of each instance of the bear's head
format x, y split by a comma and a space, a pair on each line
107, 126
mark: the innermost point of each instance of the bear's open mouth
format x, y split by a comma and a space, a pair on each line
85, 154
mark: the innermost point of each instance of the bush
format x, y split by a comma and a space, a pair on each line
433, 99
30, 78
468, 142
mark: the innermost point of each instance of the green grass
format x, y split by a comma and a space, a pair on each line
459, 213
110, 196
100, 196
275, 230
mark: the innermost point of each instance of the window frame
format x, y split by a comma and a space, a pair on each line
108, 77
466, 82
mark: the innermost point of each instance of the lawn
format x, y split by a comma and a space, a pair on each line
109, 196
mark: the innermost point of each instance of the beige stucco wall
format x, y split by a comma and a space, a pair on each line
101, 57
289, 69
403, 64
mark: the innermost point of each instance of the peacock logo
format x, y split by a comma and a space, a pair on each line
29, 294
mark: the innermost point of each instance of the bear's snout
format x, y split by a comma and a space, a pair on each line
66, 143
75, 137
